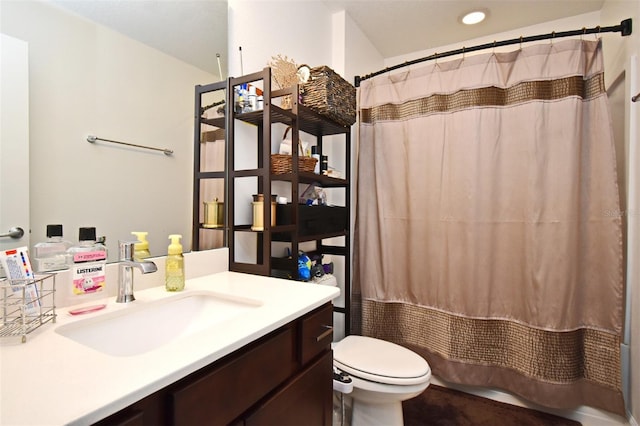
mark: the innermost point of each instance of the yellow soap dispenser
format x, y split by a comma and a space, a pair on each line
174, 268
141, 248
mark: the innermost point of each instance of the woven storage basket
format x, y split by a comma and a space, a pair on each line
330, 95
282, 163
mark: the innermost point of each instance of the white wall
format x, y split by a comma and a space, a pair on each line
87, 79
299, 30
14, 140
618, 52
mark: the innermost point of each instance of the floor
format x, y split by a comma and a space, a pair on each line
342, 414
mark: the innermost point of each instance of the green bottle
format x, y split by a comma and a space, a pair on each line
174, 269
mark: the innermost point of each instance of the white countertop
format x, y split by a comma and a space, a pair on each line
53, 380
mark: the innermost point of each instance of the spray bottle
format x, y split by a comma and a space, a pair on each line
174, 267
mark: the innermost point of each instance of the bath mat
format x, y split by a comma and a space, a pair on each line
440, 406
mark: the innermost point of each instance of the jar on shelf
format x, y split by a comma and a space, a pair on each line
258, 212
213, 214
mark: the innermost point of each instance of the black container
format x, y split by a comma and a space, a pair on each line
314, 220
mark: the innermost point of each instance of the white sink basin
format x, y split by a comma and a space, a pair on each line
144, 326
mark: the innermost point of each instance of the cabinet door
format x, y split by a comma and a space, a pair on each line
306, 400
223, 394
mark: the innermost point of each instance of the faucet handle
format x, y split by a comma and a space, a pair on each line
127, 249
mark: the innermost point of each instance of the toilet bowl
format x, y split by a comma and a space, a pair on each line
383, 375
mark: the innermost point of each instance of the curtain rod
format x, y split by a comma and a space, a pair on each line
624, 28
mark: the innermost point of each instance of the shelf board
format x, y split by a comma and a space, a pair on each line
283, 228
273, 229
282, 233
209, 228
334, 250
216, 122
309, 121
309, 177
284, 237
248, 173
278, 115
210, 175
315, 124
246, 228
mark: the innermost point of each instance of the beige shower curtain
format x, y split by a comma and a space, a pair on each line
488, 229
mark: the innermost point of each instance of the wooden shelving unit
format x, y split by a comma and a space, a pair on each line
251, 135
266, 257
209, 169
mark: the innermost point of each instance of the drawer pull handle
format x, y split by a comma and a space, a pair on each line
328, 332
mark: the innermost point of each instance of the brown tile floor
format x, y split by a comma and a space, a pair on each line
439, 406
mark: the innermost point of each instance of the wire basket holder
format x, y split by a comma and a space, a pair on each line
25, 305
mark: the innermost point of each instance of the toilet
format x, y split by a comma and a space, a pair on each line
383, 375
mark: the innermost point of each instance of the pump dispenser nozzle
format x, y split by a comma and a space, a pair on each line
141, 248
175, 247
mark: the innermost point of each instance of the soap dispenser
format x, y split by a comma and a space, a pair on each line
174, 268
141, 248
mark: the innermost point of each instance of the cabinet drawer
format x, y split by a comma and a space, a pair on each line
316, 333
230, 389
313, 220
306, 400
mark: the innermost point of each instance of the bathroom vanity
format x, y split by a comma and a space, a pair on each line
270, 363
282, 378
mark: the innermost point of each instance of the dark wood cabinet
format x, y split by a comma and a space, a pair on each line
220, 396
306, 400
284, 378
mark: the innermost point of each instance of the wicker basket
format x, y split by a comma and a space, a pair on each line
282, 163
330, 95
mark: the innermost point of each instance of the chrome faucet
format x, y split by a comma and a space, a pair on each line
125, 271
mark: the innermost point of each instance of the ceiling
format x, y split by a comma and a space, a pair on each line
398, 27
186, 28
183, 29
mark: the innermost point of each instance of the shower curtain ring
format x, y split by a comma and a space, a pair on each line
584, 31
494, 47
596, 35
553, 35
520, 42
463, 48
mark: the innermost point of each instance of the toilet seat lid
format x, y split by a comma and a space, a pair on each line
380, 361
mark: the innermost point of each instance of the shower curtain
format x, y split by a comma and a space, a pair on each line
488, 231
